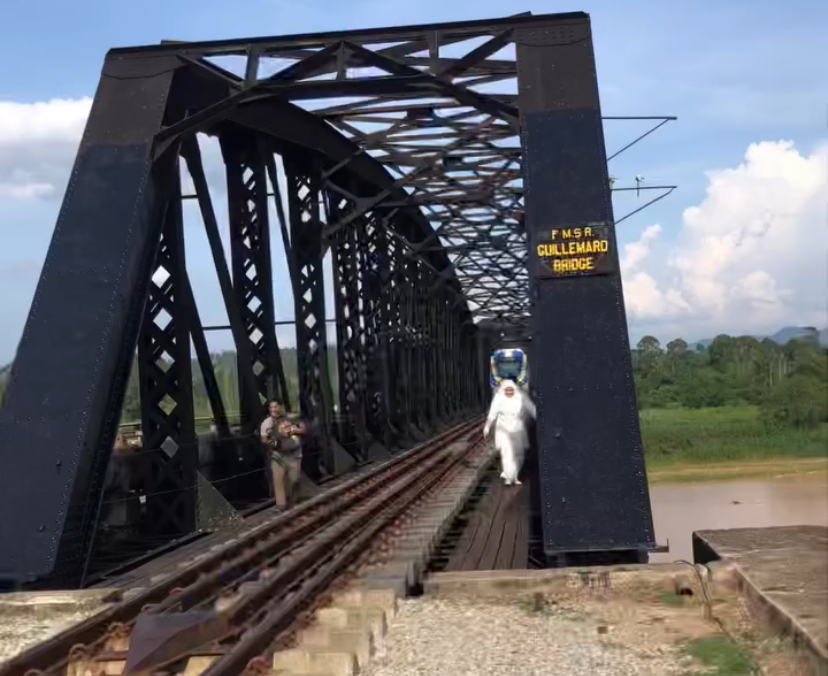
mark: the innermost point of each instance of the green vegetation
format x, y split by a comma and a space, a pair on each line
672, 599
725, 434
789, 383
739, 400
227, 374
226, 370
537, 604
722, 657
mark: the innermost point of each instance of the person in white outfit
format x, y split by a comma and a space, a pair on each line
508, 412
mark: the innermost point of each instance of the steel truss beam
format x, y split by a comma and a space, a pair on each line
350, 334
166, 384
247, 198
463, 183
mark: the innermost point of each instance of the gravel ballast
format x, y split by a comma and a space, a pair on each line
457, 637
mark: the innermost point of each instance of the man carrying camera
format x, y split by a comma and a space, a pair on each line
283, 439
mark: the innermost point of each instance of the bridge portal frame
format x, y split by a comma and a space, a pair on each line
115, 278
424, 237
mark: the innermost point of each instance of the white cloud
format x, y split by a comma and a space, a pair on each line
750, 257
38, 142
643, 297
636, 252
26, 191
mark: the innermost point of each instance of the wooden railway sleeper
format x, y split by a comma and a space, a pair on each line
259, 637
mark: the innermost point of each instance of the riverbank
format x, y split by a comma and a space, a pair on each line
799, 469
728, 443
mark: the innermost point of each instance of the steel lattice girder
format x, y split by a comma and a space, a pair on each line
435, 105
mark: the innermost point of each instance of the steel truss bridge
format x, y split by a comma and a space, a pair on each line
422, 160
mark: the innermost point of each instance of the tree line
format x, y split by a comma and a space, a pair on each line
225, 366
788, 382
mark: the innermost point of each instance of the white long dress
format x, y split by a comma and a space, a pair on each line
508, 415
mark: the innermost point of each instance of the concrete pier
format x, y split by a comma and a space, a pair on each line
783, 572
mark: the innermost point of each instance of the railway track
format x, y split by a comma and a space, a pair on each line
232, 606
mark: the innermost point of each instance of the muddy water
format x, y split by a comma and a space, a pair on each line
678, 510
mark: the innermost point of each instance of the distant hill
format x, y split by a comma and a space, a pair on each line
781, 337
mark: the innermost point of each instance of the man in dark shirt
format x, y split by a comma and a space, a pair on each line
283, 439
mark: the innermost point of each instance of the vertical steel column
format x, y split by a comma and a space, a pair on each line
431, 348
166, 385
388, 305
466, 364
451, 357
78, 342
246, 385
420, 384
373, 253
593, 482
457, 372
440, 326
349, 338
305, 214
252, 275
398, 308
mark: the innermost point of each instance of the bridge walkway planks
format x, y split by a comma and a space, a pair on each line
497, 534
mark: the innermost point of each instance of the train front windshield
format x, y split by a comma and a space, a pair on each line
509, 369
509, 364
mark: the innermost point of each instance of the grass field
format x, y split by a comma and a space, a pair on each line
728, 443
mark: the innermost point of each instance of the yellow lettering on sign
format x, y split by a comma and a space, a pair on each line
573, 265
572, 250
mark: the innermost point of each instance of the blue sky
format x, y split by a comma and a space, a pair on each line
735, 73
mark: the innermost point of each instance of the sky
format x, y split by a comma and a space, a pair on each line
740, 247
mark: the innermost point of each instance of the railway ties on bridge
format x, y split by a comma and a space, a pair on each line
233, 605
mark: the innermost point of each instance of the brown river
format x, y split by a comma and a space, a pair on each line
679, 509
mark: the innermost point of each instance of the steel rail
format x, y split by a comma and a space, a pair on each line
192, 584
353, 537
255, 620
263, 554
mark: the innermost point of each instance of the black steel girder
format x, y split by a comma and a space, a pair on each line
594, 493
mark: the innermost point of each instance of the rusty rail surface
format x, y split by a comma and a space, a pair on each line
234, 602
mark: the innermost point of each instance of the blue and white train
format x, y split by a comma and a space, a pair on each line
509, 364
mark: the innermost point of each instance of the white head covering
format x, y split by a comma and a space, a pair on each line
508, 383
515, 401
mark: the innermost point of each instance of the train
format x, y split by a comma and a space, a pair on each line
509, 364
